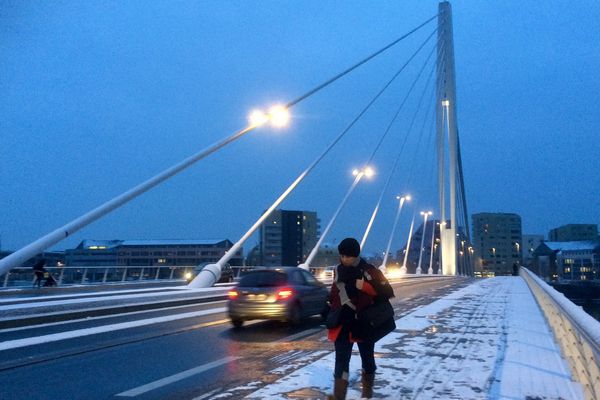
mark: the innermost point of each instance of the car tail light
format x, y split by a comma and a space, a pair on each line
233, 294
284, 294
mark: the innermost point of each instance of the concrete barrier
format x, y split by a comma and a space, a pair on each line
577, 333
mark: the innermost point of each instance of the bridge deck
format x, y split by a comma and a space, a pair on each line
488, 340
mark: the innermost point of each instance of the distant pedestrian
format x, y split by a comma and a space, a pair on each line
515, 270
38, 271
357, 286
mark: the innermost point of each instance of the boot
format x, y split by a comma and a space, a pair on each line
340, 387
367, 385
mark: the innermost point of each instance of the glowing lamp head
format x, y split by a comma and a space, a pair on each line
355, 172
279, 116
258, 118
369, 172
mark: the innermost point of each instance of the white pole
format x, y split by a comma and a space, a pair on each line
424, 214
403, 269
389, 244
213, 271
20, 256
430, 270
315, 249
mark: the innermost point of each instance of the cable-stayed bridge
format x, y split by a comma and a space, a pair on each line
433, 90
457, 338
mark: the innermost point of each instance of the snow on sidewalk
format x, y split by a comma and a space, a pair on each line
486, 341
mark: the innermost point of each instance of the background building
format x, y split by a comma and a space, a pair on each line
497, 241
149, 252
530, 243
573, 232
287, 237
576, 260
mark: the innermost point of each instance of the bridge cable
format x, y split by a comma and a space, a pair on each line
352, 68
299, 179
315, 249
396, 161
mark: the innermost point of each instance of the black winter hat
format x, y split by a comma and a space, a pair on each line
349, 247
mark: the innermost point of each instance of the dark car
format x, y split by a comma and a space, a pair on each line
226, 272
286, 294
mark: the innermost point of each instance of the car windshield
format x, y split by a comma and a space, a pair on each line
263, 278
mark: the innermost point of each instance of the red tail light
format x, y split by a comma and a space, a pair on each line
232, 294
284, 294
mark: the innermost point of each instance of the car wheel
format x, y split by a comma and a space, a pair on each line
237, 323
295, 314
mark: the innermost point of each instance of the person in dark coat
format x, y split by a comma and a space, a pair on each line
356, 286
38, 271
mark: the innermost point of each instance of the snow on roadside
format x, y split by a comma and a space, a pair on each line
471, 344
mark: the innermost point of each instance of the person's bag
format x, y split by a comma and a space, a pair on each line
377, 313
333, 319
376, 321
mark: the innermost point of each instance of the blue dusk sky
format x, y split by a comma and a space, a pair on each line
98, 96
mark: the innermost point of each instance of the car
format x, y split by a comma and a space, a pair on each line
226, 272
286, 294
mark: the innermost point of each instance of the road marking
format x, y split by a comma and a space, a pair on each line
86, 319
207, 395
13, 344
175, 378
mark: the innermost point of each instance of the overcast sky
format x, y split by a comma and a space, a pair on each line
96, 97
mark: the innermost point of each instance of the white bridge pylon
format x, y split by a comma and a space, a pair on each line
447, 142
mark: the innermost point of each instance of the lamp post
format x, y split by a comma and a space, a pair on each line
425, 214
430, 270
403, 269
278, 116
389, 244
358, 175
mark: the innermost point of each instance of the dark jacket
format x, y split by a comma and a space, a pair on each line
350, 299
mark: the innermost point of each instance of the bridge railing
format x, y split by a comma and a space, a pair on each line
94, 275
577, 333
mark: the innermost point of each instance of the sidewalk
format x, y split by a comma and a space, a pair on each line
486, 341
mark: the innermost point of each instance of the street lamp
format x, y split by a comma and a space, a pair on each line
425, 214
430, 270
358, 175
389, 244
403, 269
278, 115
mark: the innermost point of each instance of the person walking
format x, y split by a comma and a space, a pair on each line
38, 271
357, 285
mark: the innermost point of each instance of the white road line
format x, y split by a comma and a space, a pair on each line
174, 378
207, 395
13, 344
86, 319
207, 292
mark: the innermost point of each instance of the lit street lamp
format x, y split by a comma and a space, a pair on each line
277, 115
431, 250
358, 175
403, 269
389, 244
425, 214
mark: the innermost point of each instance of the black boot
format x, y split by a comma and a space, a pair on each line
340, 387
367, 385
